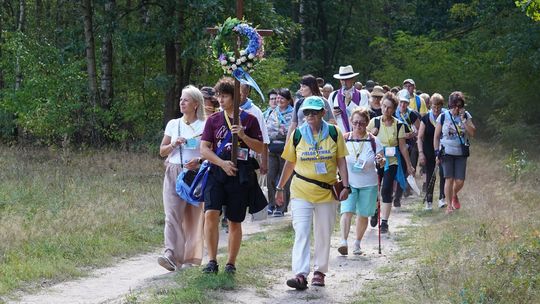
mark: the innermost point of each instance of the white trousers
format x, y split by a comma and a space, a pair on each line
323, 217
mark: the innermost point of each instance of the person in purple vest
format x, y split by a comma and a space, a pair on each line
347, 98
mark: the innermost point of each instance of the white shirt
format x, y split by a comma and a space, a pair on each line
190, 149
256, 111
364, 102
360, 152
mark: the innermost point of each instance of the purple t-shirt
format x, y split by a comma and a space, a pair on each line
216, 128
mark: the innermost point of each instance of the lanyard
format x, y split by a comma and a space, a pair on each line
188, 124
360, 148
230, 126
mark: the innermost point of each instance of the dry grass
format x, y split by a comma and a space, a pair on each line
61, 212
488, 252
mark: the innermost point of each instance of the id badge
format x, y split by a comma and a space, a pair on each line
191, 143
390, 151
243, 154
320, 168
359, 165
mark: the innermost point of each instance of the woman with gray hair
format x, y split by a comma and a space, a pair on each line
183, 230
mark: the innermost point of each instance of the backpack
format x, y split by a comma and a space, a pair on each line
298, 135
418, 103
371, 140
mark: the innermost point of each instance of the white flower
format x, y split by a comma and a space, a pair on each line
243, 59
242, 52
249, 64
251, 71
239, 61
251, 56
223, 62
234, 67
231, 59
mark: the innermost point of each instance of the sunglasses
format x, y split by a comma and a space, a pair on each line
308, 112
359, 123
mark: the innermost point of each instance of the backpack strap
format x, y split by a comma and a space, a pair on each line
378, 123
418, 103
372, 141
296, 137
332, 132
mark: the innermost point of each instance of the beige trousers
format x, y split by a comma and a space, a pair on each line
184, 236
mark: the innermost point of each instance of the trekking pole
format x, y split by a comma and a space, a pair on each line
431, 184
379, 209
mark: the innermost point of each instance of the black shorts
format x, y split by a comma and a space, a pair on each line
387, 188
222, 190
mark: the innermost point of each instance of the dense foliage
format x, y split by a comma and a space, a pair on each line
145, 52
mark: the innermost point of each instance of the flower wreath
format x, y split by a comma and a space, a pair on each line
225, 54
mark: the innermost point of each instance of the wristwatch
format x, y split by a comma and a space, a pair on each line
279, 189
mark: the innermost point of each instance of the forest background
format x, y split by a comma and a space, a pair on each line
109, 72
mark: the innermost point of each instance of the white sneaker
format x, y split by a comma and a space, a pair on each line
429, 206
442, 203
357, 250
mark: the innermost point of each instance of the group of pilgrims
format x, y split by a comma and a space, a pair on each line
371, 139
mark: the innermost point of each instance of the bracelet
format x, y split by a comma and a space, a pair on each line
280, 189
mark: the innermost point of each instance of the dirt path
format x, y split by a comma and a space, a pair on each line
346, 275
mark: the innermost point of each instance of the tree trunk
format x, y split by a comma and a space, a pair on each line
21, 20
107, 56
1, 44
323, 35
87, 11
301, 15
170, 69
39, 14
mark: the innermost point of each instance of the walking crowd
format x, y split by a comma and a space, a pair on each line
355, 149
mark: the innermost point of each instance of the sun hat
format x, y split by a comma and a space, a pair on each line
312, 103
378, 91
345, 72
404, 95
409, 81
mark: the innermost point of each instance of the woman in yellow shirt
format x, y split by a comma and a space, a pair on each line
314, 152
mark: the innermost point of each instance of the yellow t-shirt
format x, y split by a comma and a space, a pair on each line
387, 135
305, 160
423, 108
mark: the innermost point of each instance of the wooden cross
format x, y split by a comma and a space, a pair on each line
236, 105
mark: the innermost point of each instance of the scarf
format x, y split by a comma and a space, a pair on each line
403, 119
343, 107
247, 105
307, 135
280, 114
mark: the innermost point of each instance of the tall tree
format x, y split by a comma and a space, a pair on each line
107, 55
21, 20
88, 12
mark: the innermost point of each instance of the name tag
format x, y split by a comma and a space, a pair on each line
390, 151
320, 168
359, 165
191, 143
243, 154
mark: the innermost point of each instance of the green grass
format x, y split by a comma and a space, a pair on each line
63, 214
260, 254
488, 252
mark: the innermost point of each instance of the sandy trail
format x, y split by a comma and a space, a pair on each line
345, 277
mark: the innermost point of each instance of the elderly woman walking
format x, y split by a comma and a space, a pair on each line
451, 145
183, 222
365, 150
315, 152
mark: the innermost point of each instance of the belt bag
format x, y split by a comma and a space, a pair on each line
336, 188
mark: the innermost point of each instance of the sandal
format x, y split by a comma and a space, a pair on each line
450, 209
299, 282
318, 279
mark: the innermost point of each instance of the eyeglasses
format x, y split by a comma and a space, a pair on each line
359, 123
308, 112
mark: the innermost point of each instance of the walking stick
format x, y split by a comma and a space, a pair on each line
431, 184
379, 209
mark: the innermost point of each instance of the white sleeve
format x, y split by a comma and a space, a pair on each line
378, 145
264, 131
170, 128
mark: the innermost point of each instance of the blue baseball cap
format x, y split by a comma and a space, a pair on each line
312, 103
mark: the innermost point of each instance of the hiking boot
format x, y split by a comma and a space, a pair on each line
230, 268
318, 279
384, 227
299, 282
442, 203
278, 213
374, 219
455, 202
429, 206
343, 249
397, 203
165, 262
211, 267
